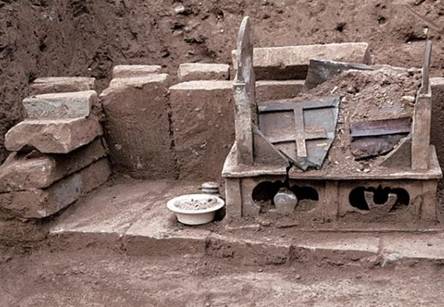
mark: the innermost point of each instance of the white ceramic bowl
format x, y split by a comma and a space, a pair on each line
195, 216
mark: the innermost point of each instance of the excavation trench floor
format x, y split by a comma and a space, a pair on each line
120, 246
95, 277
132, 215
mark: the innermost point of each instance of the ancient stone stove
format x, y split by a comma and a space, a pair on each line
310, 159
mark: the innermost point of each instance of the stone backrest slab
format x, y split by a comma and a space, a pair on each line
291, 62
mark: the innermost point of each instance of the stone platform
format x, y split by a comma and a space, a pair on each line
131, 216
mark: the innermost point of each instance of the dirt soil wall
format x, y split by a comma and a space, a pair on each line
87, 37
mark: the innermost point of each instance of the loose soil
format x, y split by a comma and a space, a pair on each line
86, 38
365, 95
95, 277
197, 204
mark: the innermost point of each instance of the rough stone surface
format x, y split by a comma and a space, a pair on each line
437, 85
203, 126
60, 105
278, 89
52, 136
421, 126
320, 71
129, 71
27, 171
61, 84
137, 126
244, 94
38, 203
291, 62
203, 71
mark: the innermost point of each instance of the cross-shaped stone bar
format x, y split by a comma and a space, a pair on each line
301, 134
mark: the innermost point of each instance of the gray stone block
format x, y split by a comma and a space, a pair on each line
60, 105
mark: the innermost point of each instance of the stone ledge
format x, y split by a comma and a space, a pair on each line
139, 220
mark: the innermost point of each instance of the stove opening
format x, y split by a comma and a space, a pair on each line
357, 197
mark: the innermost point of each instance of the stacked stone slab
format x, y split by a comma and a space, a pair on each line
137, 122
58, 154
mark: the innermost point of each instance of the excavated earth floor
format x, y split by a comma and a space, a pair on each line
120, 246
97, 277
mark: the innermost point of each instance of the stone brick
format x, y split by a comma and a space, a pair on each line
60, 105
61, 84
129, 71
24, 171
38, 203
203, 71
291, 62
52, 136
278, 89
437, 85
203, 121
137, 126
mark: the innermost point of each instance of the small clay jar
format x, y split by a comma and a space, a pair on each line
285, 201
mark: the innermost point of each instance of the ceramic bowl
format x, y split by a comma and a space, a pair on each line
195, 216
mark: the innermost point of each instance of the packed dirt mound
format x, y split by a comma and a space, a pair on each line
372, 95
367, 96
86, 37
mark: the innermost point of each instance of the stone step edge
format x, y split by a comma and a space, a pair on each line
244, 251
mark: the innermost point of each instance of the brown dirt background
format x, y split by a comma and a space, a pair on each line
87, 38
